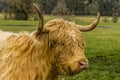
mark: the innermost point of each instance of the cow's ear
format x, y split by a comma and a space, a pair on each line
91, 26
41, 24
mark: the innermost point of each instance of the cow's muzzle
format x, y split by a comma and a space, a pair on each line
83, 65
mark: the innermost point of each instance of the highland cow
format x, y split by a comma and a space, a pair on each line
56, 48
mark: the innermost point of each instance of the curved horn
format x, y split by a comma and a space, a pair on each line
41, 24
91, 26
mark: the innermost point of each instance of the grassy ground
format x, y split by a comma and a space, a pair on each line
102, 47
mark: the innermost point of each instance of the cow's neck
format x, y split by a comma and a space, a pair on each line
45, 60
45, 70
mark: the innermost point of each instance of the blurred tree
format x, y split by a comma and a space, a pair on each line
60, 8
20, 8
116, 11
47, 5
6, 9
91, 9
0, 7
106, 7
116, 8
115, 17
76, 6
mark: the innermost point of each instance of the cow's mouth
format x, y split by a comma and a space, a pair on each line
76, 68
71, 73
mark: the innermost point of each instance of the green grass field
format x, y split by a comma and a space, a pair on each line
102, 46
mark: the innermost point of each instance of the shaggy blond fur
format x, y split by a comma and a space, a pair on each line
54, 52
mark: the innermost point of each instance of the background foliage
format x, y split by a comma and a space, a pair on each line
21, 9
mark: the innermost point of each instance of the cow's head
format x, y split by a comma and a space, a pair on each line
66, 44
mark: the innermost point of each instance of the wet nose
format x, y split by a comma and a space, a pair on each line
83, 65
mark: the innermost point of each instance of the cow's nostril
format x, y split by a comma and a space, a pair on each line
83, 65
